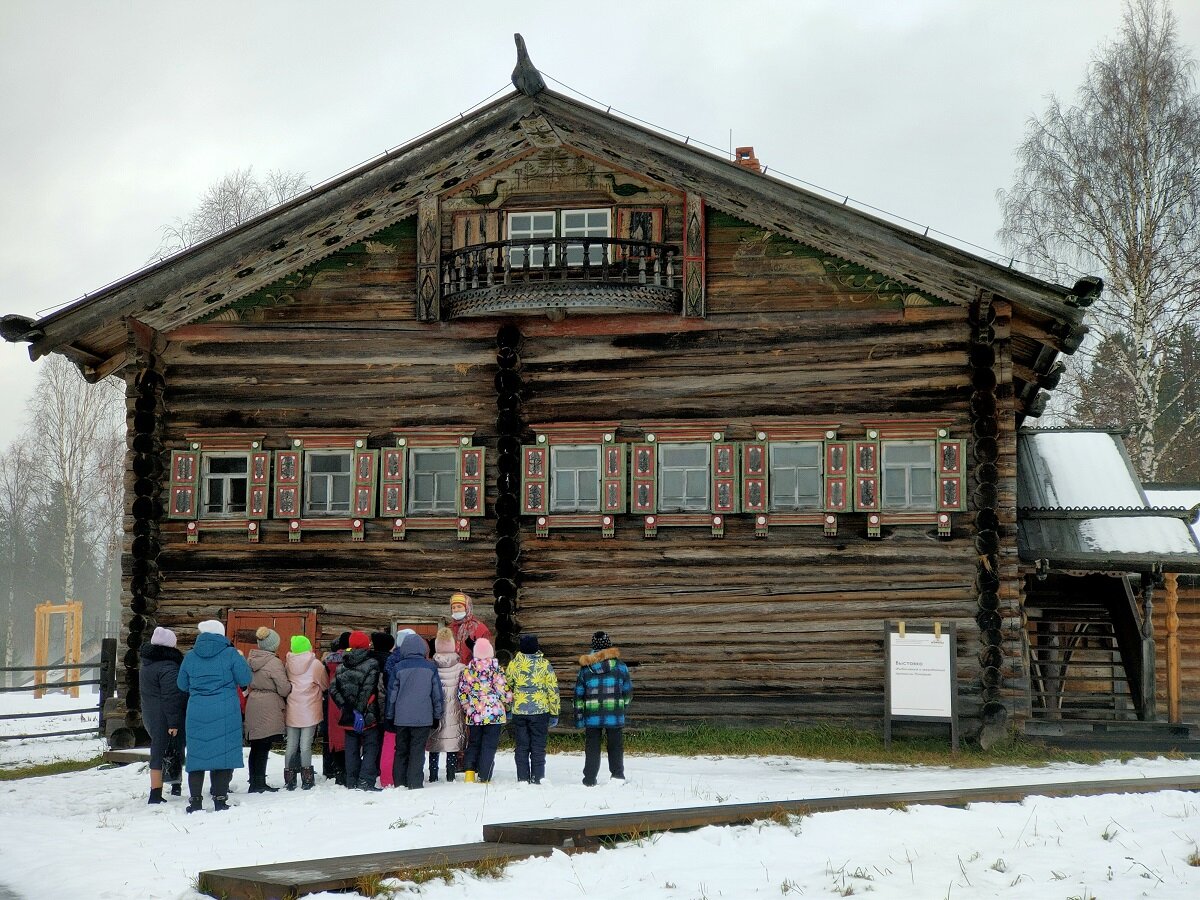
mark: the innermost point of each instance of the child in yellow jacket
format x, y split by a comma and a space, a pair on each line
535, 707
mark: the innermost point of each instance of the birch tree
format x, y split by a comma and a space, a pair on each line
238, 196
18, 486
1111, 185
71, 418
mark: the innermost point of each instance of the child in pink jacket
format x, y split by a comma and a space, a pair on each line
305, 708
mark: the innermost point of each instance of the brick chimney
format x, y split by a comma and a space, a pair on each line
744, 156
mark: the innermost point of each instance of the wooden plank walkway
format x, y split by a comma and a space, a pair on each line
509, 841
585, 832
285, 881
132, 755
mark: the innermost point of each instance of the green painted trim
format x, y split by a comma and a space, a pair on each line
280, 292
848, 275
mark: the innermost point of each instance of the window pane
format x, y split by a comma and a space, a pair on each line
341, 492
672, 486
216, 494
435, 461
226, 464
894, 488
922, 487
589, 487
697, 486
423, 487
329, 462
522, 222
564, 488
237, 494
684, 455
318, 492
783, 488
577, 459
574, 220
543, 224
796, 455
809, 488
897, 453
446, 485
597, 220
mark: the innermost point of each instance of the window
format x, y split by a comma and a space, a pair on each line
796, 475
574, 479
569, 223
225, 484
434, 487
684, 477
327, 481
908, 475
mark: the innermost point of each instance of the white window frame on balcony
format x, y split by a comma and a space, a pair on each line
685, 503
313, 511
896, 476
226, 480
797, 503
419, 501
551, 223
561, 476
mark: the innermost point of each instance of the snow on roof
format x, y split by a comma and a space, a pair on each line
1173, 498
1064, 470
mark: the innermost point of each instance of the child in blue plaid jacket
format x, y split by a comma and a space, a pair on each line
602, 692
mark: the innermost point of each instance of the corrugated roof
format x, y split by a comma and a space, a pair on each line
1082, 506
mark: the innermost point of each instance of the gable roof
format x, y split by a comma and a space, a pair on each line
1081, 506
210, 275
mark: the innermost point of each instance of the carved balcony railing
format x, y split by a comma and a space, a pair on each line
541, 275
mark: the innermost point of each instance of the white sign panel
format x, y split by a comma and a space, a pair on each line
920, 675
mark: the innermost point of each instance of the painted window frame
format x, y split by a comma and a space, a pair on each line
538, 476
207, 477
434, 507
558, 476
308, 509
706, 476
906, 470
397, 486
818, 471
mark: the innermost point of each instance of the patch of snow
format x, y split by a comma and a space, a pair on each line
1084, 469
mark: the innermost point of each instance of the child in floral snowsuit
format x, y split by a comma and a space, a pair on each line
483, 695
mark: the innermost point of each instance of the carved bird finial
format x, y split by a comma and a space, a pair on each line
525, 77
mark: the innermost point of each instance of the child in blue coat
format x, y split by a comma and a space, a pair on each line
603, 690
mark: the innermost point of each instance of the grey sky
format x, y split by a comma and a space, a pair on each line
116, 115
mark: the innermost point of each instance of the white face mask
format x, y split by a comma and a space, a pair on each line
459, 616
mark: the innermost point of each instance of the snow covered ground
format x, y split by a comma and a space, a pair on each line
46, 750
90, 834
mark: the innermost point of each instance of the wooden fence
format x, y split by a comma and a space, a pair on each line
106, 670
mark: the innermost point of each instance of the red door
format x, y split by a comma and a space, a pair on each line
243, 623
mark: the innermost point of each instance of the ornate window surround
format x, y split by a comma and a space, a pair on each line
186, 483
723, 471
537, 476
949, 474
289, 482
395, 468
756, 475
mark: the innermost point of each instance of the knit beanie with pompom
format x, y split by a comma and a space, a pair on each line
268, 639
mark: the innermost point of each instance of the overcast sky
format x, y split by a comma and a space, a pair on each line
116, 115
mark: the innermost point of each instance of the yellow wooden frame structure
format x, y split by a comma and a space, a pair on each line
72, 610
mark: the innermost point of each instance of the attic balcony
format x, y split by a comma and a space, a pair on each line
555, 275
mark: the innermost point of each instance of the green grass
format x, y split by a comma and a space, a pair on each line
843, 744
53, 768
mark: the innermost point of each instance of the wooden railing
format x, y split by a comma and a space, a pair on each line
592, 260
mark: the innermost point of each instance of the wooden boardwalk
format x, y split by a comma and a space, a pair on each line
509, 841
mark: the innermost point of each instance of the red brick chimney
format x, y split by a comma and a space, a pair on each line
744, 156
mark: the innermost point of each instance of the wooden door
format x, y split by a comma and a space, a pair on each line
243, 623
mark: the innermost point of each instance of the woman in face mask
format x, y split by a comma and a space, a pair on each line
466, 628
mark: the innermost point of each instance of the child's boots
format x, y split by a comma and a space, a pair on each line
433, 766
308, 778
289, 779
450, 760
469, 777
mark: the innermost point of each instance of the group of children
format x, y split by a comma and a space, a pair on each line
391, 703
384, 703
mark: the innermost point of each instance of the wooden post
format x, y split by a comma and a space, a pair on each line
72, 613
1174, 693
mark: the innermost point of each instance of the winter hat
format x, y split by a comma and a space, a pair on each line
529, 643
343, 641
211, 626
444, 642
301, 644
163, 637
268, 639
382, 642
359, 640
458, 598
483, 649
601, 641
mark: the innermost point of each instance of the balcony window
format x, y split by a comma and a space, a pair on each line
569, 223
225, 481
908, 475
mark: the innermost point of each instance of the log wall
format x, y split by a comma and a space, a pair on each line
788, 627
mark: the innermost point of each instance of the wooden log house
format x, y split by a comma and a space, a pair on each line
598, 379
